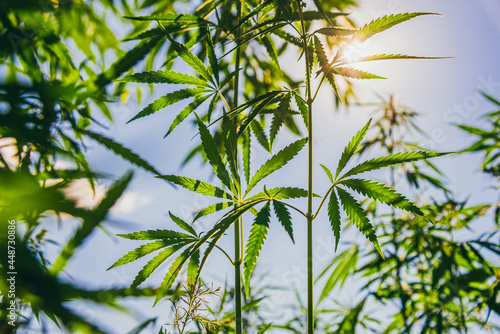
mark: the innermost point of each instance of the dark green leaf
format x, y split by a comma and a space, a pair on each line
284, 217
357, 215
167, 100
334, 216
256, 239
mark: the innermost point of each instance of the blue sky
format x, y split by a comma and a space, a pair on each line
444, 91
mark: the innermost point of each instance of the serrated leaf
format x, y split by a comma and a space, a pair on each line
334, 216
271, 49
126, 62
193, 61
140, 252
172, 273
230, 142
212, 208
256, 239
186, 112
197, 186
153, 264
279, 117
250, 119
193, 267
351, 148
304, 111
393, 57
357, 215
382, 193
182, 224
321, 54
212, 58
176, 18
167, 100
384, 23
328, 172
354, 73
281, 193
212, 153
166, 76
276, 162
120, 150
155, 234
343, 266
246, 153
323, 13
259, 133
336, 31
390, 160
284, 218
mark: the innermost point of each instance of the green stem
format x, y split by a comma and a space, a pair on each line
310, 281
238, 226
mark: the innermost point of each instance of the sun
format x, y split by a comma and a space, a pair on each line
354, 51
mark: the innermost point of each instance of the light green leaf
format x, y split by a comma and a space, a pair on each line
357, 215
142, 251
381, 193
284, 217
186, 112
256, 239
384, 23
390, 160
351, 148
193, 61
271, 49
155, 234
166, 76
172, 273
354, 73
328, 172
182, 224
276, 162
394, 57
197, 186
154, 263
282, 193
167, 100
336, 31
212, 208
334, 216
193, 267
343, 266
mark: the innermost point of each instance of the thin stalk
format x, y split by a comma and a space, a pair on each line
238, 225
310, 217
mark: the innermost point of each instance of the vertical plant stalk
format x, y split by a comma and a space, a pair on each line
238, 224
310, 217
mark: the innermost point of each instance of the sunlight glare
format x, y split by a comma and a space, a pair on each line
354, 51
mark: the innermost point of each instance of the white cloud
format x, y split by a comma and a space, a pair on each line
82, 193
131, 201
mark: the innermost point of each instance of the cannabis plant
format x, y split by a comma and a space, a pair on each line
230, 159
